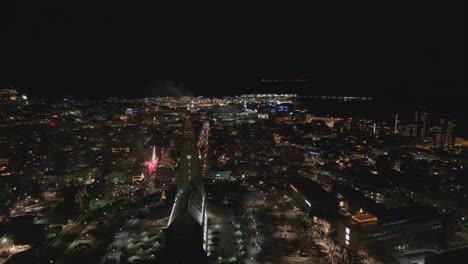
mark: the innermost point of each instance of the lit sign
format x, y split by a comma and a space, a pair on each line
283, 108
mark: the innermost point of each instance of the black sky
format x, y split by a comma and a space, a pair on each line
226, 47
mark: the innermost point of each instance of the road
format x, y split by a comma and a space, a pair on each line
70, 248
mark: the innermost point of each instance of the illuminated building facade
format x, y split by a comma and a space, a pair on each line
391, 230
449, 135
421, 119
435, 136
442, 134
435, 132
8, 94
139, 178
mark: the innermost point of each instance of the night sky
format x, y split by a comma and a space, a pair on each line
226, 47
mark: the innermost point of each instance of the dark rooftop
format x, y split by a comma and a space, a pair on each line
452, 256
310, 189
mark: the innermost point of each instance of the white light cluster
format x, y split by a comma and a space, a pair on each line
347, 236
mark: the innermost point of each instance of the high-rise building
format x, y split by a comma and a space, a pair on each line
421, 122
442, 134
449, 135
423, 125
414, 130
435, 136
409, 130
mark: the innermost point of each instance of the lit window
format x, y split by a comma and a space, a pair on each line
347, 242
347, 237
347, 230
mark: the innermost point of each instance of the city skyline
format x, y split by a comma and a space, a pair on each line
233, 132
243, 179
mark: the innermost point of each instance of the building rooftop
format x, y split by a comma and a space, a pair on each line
311, 190
403, 214
363, 217
452, 256
386, 216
